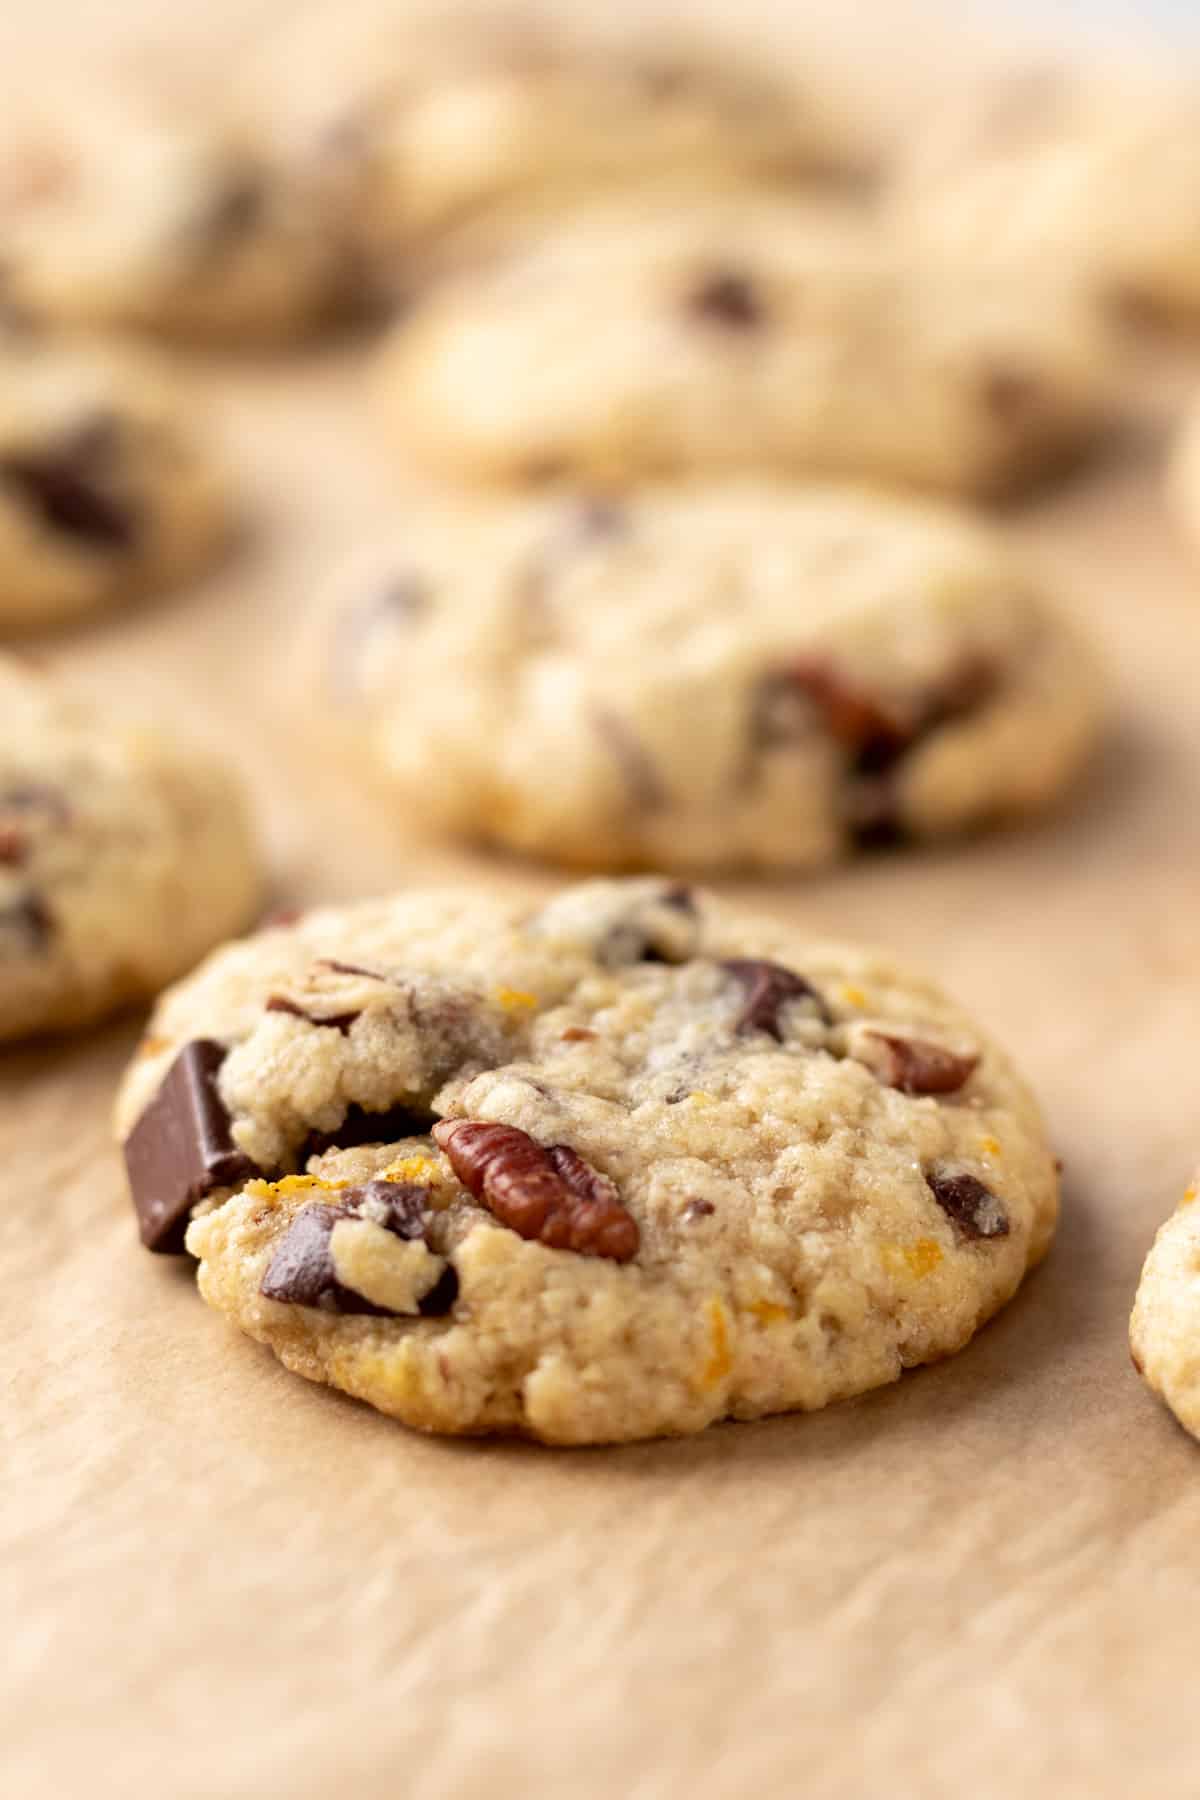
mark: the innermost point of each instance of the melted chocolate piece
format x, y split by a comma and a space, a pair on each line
65, 485
181, 1149
336, 1021
728, 298
972, 1208
769, 986
302, 1272
359, 1127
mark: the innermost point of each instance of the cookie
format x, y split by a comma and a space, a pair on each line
733, 674
108, 486
115, 215
612, 1169
1045, 165
1183, 476
1164, 1331
486, 121
724, 338
123, 858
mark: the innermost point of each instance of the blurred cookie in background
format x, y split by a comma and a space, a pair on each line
123, 857
109, 488
1164, 1330
114, 212
731, 675
761, 334
1096, 173
422, 126
1183, 475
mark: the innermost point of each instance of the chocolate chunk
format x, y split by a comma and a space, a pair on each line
30, 920
237, 208
642, 780
768, 986
66, 486
360, 1127
681, 897
643, 937
855, 718
302, 1272
728, 298
913, 1065
697, 1209
345, 968
181, 1149
336, 1021
974, 1209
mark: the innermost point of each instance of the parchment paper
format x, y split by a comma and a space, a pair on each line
220, 1581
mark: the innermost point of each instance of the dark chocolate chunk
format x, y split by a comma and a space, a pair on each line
181, 1148
336, 1021
66, 485
30, 920
915, 1065
728, 298
643, 937
973, 1208
359, 1127
302, 1272
769, 986
697, 1209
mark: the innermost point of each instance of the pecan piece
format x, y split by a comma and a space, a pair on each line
972, 1208
855, 718
913, 1065
769, 986
549, 1195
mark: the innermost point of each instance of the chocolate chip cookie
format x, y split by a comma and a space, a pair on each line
614, 1168
123, 858
724, 675
748, 336
486, 121
113, 214
1164, 1331
1048, 165
108, 487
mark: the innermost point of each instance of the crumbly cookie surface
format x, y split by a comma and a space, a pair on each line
747, 336
618, 1167
109, 487
734, 674
123, 858
116, 214
1164, 1330
1044, 163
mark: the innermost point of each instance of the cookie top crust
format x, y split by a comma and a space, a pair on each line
725, 674
123, 858
745, 336
655, 1164
110, 486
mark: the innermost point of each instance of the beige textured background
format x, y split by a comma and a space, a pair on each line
217, 1581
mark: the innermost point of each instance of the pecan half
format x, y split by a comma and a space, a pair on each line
549, 1195
971, 1207
913, 1065
769, 986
